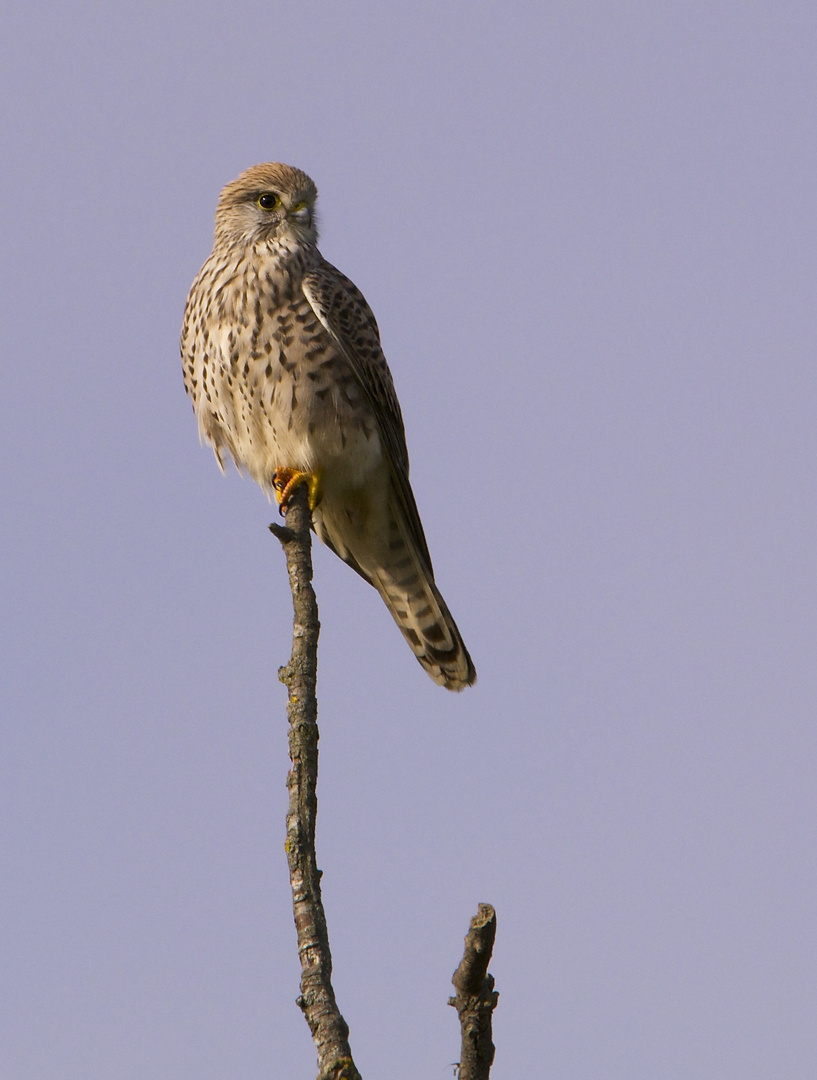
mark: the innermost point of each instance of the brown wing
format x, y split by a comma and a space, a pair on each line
348, 319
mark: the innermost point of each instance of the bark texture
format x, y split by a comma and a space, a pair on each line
476, 998
330, 1031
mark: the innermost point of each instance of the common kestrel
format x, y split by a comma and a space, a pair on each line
282, 359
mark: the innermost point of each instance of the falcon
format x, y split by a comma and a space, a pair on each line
283, 363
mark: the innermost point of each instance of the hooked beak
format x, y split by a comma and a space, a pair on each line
301, 214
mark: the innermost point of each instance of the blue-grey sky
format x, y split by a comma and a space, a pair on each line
588, 233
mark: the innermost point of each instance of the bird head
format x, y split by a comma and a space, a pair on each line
267, 202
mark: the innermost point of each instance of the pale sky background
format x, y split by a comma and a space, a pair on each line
588, 233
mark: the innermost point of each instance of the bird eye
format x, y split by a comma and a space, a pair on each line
268, 200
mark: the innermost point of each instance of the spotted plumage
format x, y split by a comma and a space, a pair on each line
283, 362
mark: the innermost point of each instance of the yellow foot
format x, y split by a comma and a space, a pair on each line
284, 482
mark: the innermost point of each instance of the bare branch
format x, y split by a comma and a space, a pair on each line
330, 1031
476, 998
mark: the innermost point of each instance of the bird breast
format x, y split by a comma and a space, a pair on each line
273, 390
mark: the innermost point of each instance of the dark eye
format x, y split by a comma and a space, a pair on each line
268, 200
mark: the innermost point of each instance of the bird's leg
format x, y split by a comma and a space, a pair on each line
284, 482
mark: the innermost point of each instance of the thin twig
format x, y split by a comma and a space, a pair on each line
330, 1031
476, 998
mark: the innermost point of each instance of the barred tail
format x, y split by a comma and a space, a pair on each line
406, 584
393, 557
